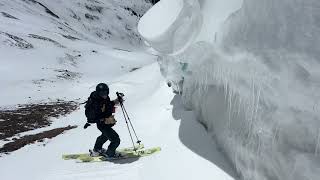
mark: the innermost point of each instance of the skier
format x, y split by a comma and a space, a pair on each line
99, 110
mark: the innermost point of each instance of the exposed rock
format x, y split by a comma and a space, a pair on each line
8, 15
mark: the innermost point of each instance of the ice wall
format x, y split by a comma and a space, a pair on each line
274, 24
282, 35
173, 31
251, 73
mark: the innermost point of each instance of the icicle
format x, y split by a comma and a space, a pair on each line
317, 144
257, 102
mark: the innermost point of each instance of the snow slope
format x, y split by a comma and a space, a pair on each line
41, 52
52, 49
251, 75
160, 121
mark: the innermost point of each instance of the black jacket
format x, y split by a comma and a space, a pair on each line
94, 109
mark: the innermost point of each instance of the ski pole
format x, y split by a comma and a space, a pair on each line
125, 118
126, 113
138, 141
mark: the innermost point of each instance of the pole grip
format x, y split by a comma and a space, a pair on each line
119, 96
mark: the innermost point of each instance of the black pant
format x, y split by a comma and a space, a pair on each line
107, 134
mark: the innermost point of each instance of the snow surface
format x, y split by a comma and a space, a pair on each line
170, 129
252, 78
42, 65
38, 74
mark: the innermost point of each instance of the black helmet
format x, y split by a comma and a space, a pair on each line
102, 89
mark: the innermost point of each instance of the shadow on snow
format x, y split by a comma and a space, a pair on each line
194, 136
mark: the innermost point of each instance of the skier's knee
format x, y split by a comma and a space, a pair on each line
116, 140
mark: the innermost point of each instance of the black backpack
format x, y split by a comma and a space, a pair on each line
90, 111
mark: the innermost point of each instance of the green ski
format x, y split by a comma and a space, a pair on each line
139, 151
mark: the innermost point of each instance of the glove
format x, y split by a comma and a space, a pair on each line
120, 97
86, 125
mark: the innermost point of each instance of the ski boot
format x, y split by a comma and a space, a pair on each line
99, 152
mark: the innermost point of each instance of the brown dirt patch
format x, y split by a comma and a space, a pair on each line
28, 117
32, 116
29, 139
